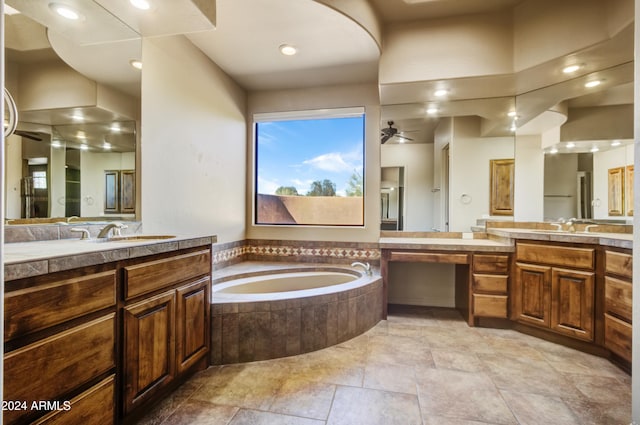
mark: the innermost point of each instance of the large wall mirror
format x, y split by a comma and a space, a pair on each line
446, 155
574, 140
556, 144
78, 99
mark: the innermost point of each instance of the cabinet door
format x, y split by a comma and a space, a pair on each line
572, 295
532, 297
111, 190
149, 348
128, 191
192, 323
501, 181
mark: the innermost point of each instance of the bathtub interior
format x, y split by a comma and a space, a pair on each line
284, 282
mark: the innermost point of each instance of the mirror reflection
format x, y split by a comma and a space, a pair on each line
584, 133
442, 151
73, 151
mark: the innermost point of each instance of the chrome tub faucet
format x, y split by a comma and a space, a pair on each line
365, 266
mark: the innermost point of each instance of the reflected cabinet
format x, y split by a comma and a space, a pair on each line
501, 198
119, 191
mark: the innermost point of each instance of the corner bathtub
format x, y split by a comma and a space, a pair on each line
264, 311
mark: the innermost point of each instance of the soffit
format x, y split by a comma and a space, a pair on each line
332, 48
415, 10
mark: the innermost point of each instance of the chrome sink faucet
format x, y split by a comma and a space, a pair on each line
365, 266
589, 227
84, 233
104, 232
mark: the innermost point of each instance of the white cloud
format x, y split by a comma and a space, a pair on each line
333, 162
267, 186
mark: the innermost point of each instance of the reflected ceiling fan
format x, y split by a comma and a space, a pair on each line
389, 132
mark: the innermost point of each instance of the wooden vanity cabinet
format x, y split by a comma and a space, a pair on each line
60, 342
166, 324
554, 288
618, 302
490, 285
99, 342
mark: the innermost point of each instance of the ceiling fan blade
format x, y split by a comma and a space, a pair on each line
404, 137
385, 138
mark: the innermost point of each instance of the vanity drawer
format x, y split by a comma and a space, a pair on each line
490, 283
490, 263
147, 277
618, 263
618, 296
95, 405
63, 362
618, 336
490, 305
31, 309
581, 258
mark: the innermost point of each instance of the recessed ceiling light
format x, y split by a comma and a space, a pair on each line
570, 69
81, 134
137, 64
77, 116
512, 114
432, 110
140, 4
115, 128
84, 147
594, 149
56, 144
440, 92
106, 146
571, 145
65, 11
288, 49
593, 83
615, 143
553, 150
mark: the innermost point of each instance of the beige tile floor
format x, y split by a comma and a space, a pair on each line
421, 366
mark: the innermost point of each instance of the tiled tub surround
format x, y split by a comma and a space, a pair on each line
290, 324
295, 251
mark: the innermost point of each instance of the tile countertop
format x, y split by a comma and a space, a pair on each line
618, 240
28, 259
502, 240
448, 244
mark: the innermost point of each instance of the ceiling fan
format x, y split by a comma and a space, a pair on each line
389, 132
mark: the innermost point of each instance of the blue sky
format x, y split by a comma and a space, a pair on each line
296, 153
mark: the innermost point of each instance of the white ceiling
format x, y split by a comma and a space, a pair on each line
247, 33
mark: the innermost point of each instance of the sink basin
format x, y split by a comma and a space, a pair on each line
139, 238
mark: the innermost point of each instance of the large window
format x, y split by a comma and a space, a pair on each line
310, 168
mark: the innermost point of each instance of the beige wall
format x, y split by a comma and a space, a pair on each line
193, 143
470, 157
447, 48
528, 179
318, 98
417, 160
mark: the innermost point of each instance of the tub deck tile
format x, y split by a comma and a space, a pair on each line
293, 331
320, 326
263, 340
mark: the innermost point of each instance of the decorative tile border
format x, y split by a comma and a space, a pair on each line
307, 251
